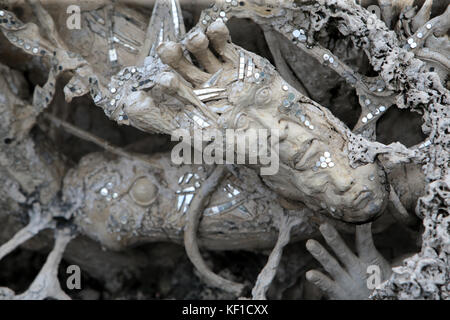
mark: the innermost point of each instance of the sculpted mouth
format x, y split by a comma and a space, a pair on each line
363, 198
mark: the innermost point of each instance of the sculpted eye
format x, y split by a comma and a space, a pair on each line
304, 155
263, 96
143, 192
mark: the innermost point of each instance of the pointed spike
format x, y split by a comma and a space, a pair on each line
166, 21
180, 202
422, 16
208, 96
200, 92
212, 81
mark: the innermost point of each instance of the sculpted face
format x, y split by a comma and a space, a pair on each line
314, 166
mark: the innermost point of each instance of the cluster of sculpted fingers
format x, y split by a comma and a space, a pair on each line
334, 179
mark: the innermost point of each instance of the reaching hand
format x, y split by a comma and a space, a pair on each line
349, 280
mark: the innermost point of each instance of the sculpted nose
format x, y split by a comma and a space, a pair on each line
343, 181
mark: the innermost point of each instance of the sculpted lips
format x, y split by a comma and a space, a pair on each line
368, 207
362, 199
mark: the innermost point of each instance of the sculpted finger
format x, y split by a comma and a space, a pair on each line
220, 39
367, 250
326, 260
171, 54
174, 85
197, 43
364, 241
334, 240
328, 286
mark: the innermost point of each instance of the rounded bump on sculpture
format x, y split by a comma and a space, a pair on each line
197, 42
170, 52
143, 192
217, 30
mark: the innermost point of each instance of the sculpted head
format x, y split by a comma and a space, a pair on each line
314, 165
117, 194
